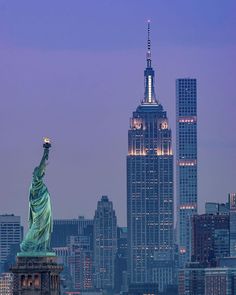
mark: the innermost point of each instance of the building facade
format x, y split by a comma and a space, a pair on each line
105, 244
6, 284
210, 239
143, 289
121, 261
228, 208
220, 281
74, 240
186, 157
64, 228
232, 217
10, 236
216, 208
80, 262
36, 275
194, 280
191, 280
150, 189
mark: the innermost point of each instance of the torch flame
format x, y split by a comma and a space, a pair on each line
46, 140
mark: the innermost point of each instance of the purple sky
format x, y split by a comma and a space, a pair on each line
73, 70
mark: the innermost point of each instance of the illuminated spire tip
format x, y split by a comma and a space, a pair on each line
149, 94
149, 46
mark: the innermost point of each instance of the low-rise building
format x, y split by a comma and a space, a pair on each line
6, 284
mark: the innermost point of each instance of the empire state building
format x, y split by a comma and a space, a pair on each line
150, 213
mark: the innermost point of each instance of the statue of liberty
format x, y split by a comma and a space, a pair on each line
37, 239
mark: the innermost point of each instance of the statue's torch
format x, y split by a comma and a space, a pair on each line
46, 144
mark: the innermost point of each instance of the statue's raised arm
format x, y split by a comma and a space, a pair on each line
37, 239
39, 171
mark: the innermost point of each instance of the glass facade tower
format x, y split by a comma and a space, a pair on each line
10, 236
150, 189
186, 168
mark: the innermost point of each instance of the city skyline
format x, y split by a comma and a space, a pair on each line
47, 71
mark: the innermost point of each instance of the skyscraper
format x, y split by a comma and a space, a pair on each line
195, 280
64, 228
191, 280
210, 238
10, 235
105, 244
186, 149
229, 209
216, 208
80, 262
72, 241
220, 281
232, 216
121, 260
150, 189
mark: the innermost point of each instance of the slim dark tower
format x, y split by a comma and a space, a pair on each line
150, 189
186, 180
105, 244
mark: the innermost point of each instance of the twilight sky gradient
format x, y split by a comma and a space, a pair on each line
73, 70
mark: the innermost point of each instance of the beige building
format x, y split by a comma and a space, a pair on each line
6, 284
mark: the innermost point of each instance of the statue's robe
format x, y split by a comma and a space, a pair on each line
37, 238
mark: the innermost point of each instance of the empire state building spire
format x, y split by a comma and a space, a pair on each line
149, 94
149, 61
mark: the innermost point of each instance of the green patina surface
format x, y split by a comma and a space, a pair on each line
37, 239
36, 254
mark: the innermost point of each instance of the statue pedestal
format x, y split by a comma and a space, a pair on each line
36, 275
